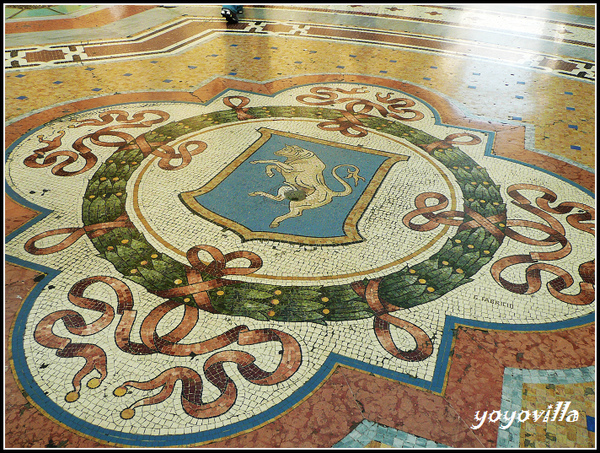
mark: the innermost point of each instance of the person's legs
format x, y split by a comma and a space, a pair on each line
230, 12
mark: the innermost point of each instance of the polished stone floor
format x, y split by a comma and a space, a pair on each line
325, 226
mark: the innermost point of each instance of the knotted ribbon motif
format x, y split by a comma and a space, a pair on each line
452, 218
215, 269
165, 152
383, 320
349, 123
555, 236
74, 233
450, 141
168, 344
95, 357
241, 112
85, 151
191, 395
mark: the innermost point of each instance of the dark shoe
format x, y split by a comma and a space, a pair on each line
229, 15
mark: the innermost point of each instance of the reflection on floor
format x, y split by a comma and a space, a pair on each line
339, 226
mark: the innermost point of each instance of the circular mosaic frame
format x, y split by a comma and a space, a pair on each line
479, 234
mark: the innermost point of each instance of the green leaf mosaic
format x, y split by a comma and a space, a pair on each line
460, 258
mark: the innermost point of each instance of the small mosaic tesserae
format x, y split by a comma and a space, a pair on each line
306, 226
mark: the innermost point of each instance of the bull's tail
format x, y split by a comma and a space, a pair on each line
353, 172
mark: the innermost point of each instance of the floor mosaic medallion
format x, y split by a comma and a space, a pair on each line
209, 263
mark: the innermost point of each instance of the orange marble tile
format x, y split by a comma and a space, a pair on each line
94, 19
15, 215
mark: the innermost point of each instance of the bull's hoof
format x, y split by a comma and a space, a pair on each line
274, 224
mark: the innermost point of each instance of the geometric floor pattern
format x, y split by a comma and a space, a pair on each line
528, 389
325, 226
522, 390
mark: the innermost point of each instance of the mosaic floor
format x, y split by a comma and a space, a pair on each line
339, 226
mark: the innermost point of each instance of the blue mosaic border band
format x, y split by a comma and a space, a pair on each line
367, 431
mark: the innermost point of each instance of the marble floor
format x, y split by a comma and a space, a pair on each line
324, 226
